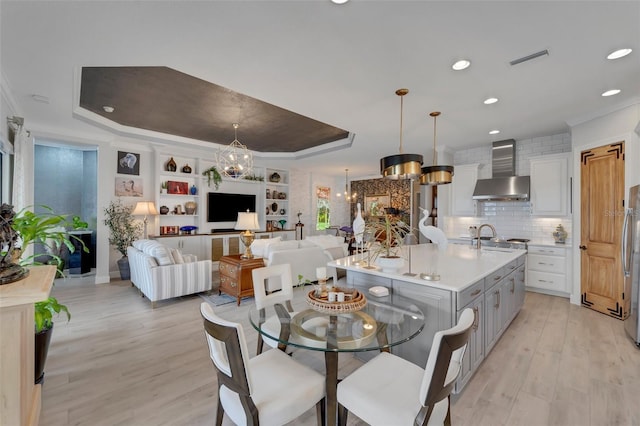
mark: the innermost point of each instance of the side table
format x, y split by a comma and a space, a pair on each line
235, 275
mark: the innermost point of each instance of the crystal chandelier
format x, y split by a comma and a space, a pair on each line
401, 166
347, 193
235, 160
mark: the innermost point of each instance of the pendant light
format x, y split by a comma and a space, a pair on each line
235, 160
436, 175
401, 166
348, 195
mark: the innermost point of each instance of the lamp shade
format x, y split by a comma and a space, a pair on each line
145, 208
247, 221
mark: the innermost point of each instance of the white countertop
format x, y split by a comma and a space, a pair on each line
459, 266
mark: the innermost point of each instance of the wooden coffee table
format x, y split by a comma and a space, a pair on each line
235, 275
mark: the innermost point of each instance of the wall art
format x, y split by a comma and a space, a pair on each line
128, 163
129, 187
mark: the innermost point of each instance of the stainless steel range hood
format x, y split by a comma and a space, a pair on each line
504, 185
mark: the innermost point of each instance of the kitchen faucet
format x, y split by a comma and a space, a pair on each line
479, 233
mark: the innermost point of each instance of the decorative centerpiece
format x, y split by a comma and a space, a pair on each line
388, 237
560, 235
275, 177
352, 300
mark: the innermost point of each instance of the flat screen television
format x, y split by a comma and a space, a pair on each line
224, 207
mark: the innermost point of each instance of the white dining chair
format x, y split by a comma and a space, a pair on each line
269, 389
267, 298
389, 390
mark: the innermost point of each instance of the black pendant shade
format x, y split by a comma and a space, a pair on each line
436, 174
401, 166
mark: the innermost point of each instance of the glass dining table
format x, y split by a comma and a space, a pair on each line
378, 326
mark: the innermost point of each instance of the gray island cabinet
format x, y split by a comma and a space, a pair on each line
490, 281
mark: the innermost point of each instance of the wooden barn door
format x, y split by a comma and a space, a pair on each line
602, 214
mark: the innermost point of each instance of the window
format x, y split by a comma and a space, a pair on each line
323, 207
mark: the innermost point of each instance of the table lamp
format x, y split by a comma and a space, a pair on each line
247, 221
145, 208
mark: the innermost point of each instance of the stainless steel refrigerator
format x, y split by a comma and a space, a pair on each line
631, 261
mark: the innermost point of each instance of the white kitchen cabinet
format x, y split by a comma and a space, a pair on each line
474, 353
462, 186
493, 315
550, 185
548, 269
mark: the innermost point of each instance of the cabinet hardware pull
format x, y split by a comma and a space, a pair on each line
513, 285
475, 318
583, 247
497, 305
497, 278
475, 293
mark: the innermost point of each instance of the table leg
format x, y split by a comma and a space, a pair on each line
331, 383
331, 372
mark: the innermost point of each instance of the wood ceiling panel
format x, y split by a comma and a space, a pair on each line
164, 100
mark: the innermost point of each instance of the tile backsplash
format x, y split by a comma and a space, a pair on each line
512, 219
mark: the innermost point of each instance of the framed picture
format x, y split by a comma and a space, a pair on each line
128, 163
174, 187
128, 187
374, 205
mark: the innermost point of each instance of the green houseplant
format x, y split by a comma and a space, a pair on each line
43, 317
386, 235
213, 175
123, 230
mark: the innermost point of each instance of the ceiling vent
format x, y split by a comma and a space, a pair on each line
529, 57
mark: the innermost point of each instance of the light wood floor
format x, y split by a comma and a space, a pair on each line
118, 362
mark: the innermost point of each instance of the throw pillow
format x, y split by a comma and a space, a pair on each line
177, 256
162, 254
259, 246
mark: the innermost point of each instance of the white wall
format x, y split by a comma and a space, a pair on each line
617, 126
511, 219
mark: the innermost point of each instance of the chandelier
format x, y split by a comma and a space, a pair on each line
347, 193
436, 175
234, 160
401, 166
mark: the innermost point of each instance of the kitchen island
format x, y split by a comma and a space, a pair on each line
491, 281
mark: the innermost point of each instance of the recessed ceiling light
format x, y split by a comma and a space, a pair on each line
619, 53
494, 132
461, 65
339, 1
108, 108
611, 92
490, 101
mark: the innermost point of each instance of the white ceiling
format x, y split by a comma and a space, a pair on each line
342, 64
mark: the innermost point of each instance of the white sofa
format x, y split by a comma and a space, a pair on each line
161, 272
304, 256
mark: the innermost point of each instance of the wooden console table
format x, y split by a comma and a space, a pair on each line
235, 275
19, 396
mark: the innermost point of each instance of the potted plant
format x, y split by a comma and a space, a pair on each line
123, 231
46, 228
213, 175
386, 235
43, 320
163, 187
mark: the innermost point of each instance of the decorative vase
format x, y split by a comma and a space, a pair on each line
193, 190
190, 207
560, 235
42, 341
275, 177
171, 165
268, 193
123, 266
186, 168
358, 225
390, 264
164, 209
